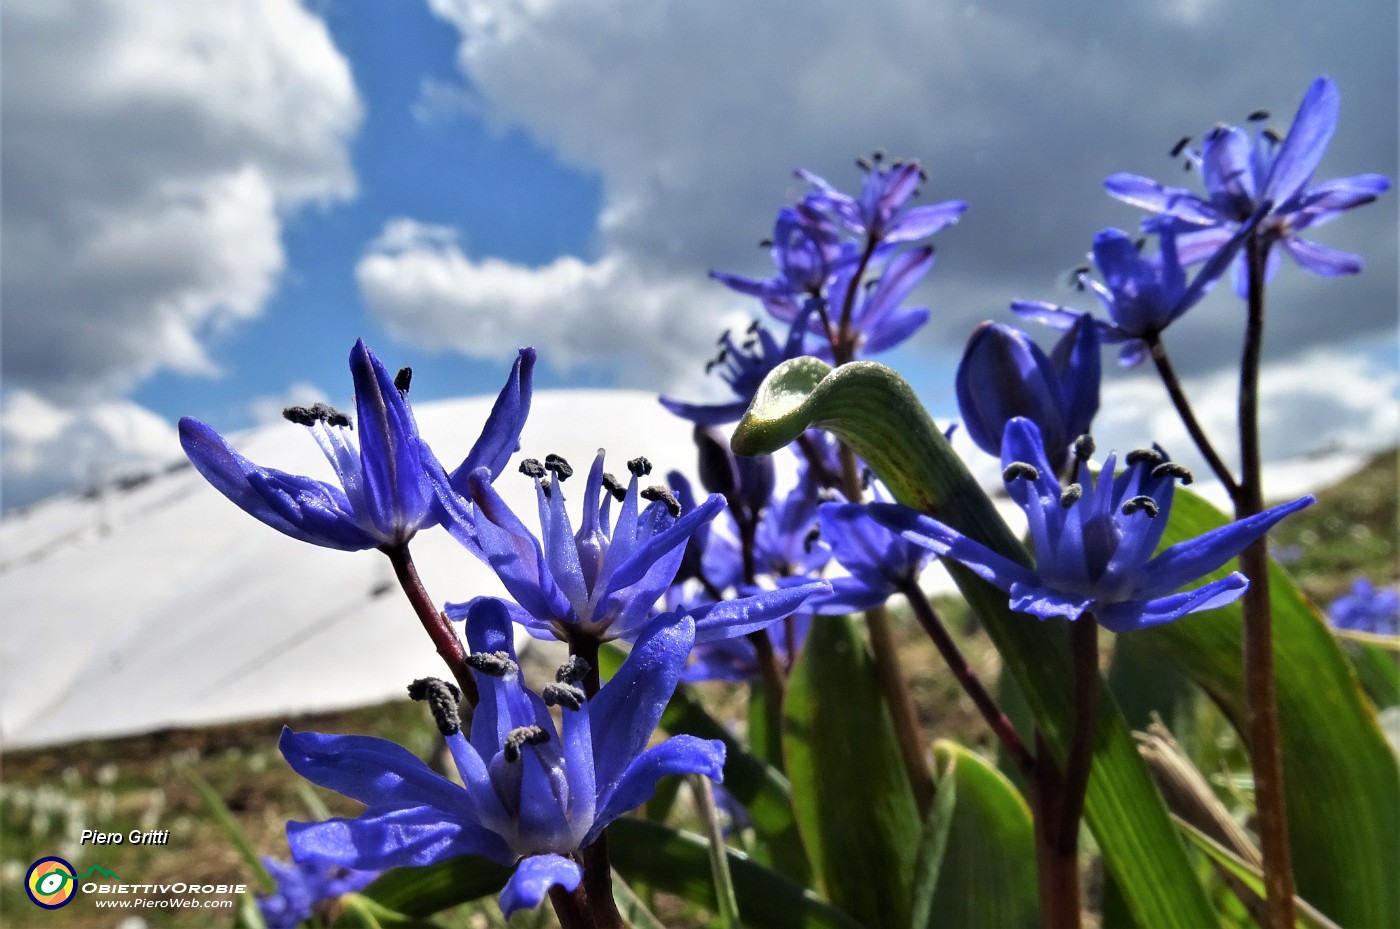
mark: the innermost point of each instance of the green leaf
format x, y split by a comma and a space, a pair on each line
763, 791
419, 892
1376, 665
854, 804
1340, 774
678, 862
875, 411
631, 906
988, 878
1249, 877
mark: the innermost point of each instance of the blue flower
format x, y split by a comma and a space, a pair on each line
1004, 374
743, 366
1366, 609
1143, 296
879, 561
882, 212
735, 660
533, 794
384, 495
1094, 540
877, 321
806, 247
603, 581
1265, 175
303, 886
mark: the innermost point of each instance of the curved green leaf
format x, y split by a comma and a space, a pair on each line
977, 859
874, 410
1340, 775
679, 863
855, 807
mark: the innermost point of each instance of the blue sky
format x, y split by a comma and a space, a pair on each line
205, 206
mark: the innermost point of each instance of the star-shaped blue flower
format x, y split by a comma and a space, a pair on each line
384, 496
304, 886
879, 562
533, 794
1094, 540
603, 581
1246, 177
1366, 609
1142, 295
882, 212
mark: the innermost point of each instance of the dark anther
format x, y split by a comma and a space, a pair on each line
723, 354
525, 735
316, 413
1186, 166
495, 664
547, 488
613, 486
402, 380
1148, 455
753, 327
658, 492
531, 467
639, 467
1071, 495
1020, 469
810, 539
573, 670
1140, 243
1180, 147
923, 175
1171, 468
1272, 136
1076, 277
560, 467
866, 477
765, 243
443, 700
1084, 447
878, 155
722, 337
710, 365
1258, 116
565, 695
862, 164
1146, 504
749, 344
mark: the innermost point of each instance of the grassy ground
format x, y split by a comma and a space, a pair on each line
48, 797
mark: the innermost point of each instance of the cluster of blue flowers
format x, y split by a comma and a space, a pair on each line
712, 588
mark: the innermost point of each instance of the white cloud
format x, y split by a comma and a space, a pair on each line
46, 448
430, 293
695, 113
150, 150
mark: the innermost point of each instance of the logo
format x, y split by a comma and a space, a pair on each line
51, 883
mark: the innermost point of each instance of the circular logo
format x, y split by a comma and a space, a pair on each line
50, 883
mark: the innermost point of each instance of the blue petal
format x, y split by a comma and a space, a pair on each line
1150, 195
530, 883
706, 414
372, 771
396, 489
1319, 259
394, 837
851, 595
681, 754
500, 437
1226, 169
624, 713
995, 569
743, 615
514, 553
1047, 603
325, 518
896, 326
1307, 139
1194, 558
1130, 615
923, 221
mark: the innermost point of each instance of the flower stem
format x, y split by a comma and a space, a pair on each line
1188, 415
971, 684
571, 907
1084, 654
1057, 873
774, 678
444, 637
719, 857
1262, 718
888, 671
